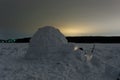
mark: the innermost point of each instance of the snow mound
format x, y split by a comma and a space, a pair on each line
46, 40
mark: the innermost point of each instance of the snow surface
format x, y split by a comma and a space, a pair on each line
73, 65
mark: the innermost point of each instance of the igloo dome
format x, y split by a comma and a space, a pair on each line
45, 41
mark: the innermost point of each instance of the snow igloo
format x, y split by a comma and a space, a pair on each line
47, 41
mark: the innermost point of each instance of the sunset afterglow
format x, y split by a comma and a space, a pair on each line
75, 31
73, 17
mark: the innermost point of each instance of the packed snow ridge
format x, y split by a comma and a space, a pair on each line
49, 56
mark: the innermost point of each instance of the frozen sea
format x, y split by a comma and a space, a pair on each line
104, 65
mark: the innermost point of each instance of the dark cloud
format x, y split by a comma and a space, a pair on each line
27, 15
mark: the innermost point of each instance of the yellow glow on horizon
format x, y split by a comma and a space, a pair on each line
78, 29
75, 31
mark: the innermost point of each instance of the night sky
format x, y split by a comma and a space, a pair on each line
21, 18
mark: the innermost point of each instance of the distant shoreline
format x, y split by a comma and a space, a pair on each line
76, 39
95, 39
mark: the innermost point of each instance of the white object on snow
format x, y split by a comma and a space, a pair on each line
76, 48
